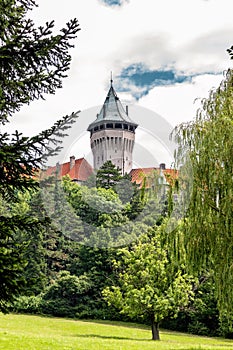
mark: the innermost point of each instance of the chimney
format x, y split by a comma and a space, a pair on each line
58, 170
72, 162
127, 110
162, 166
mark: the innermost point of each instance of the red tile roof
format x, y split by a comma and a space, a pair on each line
139, 174
170, 174
80, 170
77, 169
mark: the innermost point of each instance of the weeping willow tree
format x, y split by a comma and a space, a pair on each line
208, 144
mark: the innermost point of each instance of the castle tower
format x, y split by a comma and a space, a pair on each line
113, 134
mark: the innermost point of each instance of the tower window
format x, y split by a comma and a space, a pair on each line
125, 126
101, 126
118, 126
109, 126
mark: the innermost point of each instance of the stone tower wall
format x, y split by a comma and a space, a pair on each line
115, 145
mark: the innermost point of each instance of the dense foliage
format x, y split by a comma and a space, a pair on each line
32, 64
55, 259
149, 285
208, 141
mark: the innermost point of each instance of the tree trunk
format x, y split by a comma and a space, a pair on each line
155, 329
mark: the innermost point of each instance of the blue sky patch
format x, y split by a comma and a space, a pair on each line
144, 80
112, 2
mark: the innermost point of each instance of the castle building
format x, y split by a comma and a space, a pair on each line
112, 134
112, 137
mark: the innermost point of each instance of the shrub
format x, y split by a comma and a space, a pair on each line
198, 328
28, 304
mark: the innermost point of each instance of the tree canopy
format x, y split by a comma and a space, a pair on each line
33, 63
108, 175
208, 141
148, 284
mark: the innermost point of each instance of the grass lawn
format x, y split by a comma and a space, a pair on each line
26, 332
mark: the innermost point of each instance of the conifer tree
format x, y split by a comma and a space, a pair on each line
108, 175
33, 63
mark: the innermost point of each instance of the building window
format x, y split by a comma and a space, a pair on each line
109, 126
118, 126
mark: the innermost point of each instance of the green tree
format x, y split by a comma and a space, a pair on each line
208, 142
35, 269
94, 206
97, 264
32, 64
108, 175
201, 316
149, 285
67, 295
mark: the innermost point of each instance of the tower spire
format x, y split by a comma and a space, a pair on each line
112, 134
111, 80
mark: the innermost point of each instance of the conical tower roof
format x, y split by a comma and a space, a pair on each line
112, 111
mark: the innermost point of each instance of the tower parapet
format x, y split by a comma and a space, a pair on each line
113, 134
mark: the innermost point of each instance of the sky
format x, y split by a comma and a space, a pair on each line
165, 56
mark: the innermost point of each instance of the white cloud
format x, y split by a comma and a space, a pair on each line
190, 36
179, 103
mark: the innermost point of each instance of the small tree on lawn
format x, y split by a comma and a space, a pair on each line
149, 286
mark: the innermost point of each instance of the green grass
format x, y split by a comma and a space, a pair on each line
25, 332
